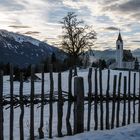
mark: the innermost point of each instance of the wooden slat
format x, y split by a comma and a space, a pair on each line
134, 98
129, 96
101, 101
113, 101
51, 101
124, 101
21, 123
139, 101
32, 105
59, 106
68, 125
96, 102
11, 106
118, 102
89, 98
40, 129
1, 106
107, 100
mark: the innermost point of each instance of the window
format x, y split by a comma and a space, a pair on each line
118, 46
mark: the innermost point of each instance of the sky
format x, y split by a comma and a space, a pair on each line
41, 19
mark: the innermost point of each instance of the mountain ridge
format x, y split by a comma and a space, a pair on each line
23, 50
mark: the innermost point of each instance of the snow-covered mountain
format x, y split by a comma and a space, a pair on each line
24, 50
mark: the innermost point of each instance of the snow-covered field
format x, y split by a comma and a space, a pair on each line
130, 132
92, 135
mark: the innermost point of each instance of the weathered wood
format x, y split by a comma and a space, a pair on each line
89, 98
59, 106
96, 102
40, 129
101, 101
139, 101
124, 102
134, 98
1, 107
11, 106
51, 101
129, 97
107, 100
21, 124
78, 105
68, 125
32, 105
118, 102
113, 101
75, 71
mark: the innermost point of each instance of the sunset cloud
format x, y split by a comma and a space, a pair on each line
43, 18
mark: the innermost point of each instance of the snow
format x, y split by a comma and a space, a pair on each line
19, 38
129, 132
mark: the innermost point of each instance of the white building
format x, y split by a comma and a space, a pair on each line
122, 61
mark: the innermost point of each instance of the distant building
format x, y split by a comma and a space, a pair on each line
88, 58
124, 58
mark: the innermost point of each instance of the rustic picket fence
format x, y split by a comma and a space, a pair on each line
103, 119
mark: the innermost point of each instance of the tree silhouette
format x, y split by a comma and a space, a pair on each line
76, 36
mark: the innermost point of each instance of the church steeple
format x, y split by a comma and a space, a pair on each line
120, 37
119, 51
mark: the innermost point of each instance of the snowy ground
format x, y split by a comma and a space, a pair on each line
92, 135
130, 132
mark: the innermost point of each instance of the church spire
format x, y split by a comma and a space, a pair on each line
119, 37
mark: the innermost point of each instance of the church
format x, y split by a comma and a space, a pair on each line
124, 58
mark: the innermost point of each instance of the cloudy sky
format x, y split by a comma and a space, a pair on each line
40, 19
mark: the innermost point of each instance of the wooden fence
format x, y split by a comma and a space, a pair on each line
97, 103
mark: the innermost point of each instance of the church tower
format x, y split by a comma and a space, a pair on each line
119, 51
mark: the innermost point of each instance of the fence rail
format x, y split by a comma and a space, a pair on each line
105, 107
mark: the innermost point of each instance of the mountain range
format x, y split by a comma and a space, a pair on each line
23, 50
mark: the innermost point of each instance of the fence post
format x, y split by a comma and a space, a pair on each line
59, 106
124, 102
101, 100
107, 100
113, 101
129, 96
40, 129
51, 101
134, 97
21, 127
89, 98
96, 102
1, 106
118, 102
139, 101
32, 105
78, 105
11, 105
69, 130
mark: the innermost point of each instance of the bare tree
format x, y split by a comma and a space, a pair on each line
76, 37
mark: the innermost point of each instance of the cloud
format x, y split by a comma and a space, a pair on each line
11, 5
112, 28
129, 8
40, 18
18, 26
31, 32
137, 41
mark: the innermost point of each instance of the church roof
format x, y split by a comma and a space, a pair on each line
119, 37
